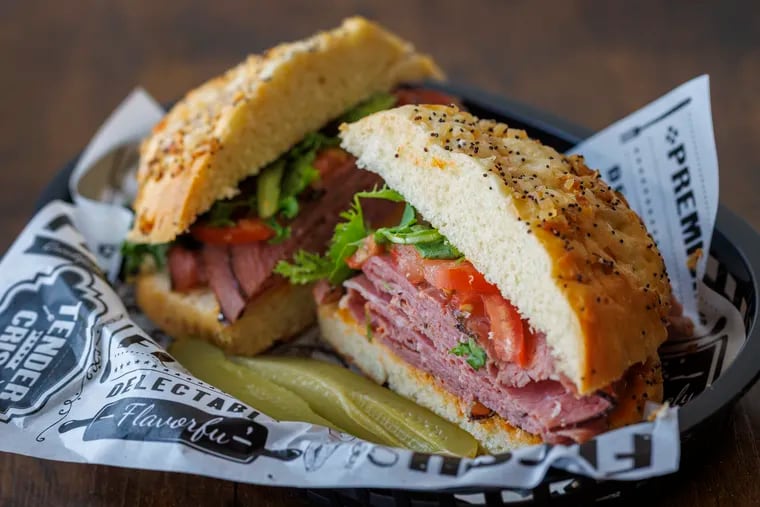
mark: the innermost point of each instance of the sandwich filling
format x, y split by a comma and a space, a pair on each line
416, 294
468, 336
292, 204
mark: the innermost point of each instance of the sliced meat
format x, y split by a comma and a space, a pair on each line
582, 432
325, 293
446, 324
419, 324
328, 161
311, 230
239, 273
253, 263
406, 96
554, 407
186, 268
382, 213
222, 281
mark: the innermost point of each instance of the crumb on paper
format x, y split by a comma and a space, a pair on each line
693, 259
653, 411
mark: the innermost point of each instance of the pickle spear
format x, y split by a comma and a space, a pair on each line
208, 363
364, 408
268, 188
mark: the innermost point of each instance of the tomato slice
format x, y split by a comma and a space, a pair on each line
469, 302
409, 262
450, 275
245, 230
472, 293
508, 328
460, 276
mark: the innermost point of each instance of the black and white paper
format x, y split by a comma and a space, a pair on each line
84, 377
663, 159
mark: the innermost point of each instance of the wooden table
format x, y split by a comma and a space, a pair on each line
64, 66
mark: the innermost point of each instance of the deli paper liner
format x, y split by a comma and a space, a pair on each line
663, 159
86, 378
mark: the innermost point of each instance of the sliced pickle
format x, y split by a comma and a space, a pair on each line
209, 364
321, 396
364, 408
268, 188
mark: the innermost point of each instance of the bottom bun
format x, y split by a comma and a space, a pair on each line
379, 363
277, 314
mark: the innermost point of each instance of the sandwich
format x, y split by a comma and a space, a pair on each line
246, 169
518, 296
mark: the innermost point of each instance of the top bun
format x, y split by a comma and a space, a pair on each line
559, 243
232, 126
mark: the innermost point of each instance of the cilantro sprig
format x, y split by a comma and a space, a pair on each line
473, 353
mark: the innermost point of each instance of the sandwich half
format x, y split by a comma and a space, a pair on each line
246, 169
519, 296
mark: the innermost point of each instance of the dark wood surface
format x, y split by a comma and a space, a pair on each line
65, 65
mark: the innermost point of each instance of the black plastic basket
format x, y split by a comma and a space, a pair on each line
735, 247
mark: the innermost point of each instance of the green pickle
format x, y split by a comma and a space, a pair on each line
268, 188
298, 389
209, 364
364, 408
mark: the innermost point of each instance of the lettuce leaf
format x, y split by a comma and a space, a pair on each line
281, 233
300, 171
135, 253
306, 268
380, 193
377, 102
347, 237
351, 232
440, 249
430, 243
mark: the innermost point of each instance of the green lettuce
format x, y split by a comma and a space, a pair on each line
352, 231
378, 102
135, 253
